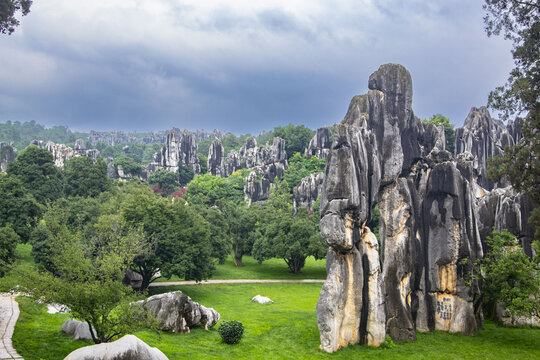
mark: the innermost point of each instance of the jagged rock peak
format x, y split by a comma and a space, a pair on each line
215, 163
319, 145
484, 137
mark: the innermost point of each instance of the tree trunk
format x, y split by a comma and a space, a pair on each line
238, 260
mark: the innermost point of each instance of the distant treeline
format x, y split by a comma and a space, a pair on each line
21, 134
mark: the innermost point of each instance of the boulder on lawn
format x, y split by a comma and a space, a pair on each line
262, 299
176, 312
128, 347
77, 329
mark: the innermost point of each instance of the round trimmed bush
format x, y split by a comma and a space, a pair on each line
231, 331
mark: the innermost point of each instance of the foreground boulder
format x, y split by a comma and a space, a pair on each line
177, 313
262, 299
78, 330
128, 347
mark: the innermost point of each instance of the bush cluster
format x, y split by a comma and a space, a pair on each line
231, 331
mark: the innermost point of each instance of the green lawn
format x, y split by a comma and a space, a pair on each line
284, 330
269, 269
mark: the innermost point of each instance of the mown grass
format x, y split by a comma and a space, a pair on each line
284, 330
269, 269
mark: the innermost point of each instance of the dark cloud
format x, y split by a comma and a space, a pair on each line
242, 68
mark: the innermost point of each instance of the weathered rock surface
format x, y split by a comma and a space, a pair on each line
233, 162
128, 347
216, 155
7, 155
381, 153
78, 330
319, 145
262, 299
177, 313
178, 150
62, 153
485, 137
306, 193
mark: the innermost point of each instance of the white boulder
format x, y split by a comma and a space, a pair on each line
262, 299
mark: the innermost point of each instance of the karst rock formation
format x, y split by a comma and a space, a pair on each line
435, 210
178, 150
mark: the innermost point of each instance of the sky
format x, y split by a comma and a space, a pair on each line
239, 65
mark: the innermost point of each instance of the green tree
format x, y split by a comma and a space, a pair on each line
18, 208
509, 276
166, 181
449, 132
519, 22
34, 167
207, 189
185, 174
203, 161
178, 239
8, 9
88, 277
8, 243
84, 176
286, 236
240, 223
300, 167
296, 138
130, 166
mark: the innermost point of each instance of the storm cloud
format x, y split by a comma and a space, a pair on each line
242, 66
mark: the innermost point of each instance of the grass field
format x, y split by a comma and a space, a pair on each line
284, 330
269, 269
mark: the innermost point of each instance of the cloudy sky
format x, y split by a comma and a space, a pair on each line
239, 65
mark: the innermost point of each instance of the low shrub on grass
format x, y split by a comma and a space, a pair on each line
388, 343
231, 332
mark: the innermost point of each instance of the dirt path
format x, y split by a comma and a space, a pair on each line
9, 312
235, 281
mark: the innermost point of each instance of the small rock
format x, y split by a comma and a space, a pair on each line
262, 299
76, 329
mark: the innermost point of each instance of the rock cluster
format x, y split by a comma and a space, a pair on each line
78, 330
178, 150
216, 154
305, 194
177, 313
381, 153
128, 347
62, 153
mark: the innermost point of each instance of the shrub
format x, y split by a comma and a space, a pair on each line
388, 343
231, 331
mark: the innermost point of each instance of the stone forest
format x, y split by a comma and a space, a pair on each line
130, 232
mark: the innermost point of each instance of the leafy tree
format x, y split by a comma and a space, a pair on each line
519, 22
300, 167
509, 276
240, 223
129, 165
449, 133
34, 167
8, 9
8, 243
18, 208
178, 239
84, 176
296, 138
283, 235
206, 190
203, 161
185, 174
166, 181
219, 238
88, 277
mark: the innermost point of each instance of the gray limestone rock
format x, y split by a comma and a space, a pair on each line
177, 313
179, 149
215, 164
7, 155
484, 137
306, 193
319, 145
60, 152
233, 162
128, 347
382, 154
78, 330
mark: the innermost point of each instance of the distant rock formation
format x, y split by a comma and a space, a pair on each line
62, 153
306, 193
319, 145
382, 154
214, 134
215, 164
178, 150
116, 137
485, 137
7, 155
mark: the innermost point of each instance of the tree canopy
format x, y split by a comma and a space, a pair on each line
449, 133
8, 10
84, 176
296, 138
